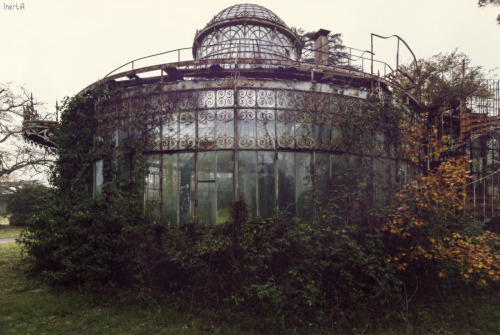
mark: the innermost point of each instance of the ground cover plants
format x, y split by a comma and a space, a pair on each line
29, 306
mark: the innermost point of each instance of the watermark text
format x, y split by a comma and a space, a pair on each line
16, 6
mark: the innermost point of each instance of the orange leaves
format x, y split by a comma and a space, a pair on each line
474, 256
428, 207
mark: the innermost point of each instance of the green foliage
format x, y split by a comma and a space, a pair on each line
336, 48
286, 270
24, 202
445, 79
76, 238
29, 307
74, 136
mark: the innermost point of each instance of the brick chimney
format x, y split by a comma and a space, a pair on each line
321, 46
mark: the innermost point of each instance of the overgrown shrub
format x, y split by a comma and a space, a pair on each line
300, 270
24, 202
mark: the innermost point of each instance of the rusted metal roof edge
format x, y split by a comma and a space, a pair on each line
300, 66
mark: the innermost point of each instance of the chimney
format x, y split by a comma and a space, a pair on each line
321, 46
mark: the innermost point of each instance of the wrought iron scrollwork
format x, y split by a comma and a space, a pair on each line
205, 119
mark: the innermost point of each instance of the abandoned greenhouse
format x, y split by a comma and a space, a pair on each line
257, 114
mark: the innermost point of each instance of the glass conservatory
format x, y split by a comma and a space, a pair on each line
244, 119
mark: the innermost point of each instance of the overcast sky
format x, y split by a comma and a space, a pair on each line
56, 48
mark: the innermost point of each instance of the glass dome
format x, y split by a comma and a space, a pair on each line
247, 10
246, 31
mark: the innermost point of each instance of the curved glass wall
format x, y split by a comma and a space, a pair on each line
276, 148
200, 186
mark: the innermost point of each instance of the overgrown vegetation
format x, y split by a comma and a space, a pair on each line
25, 202
31, 307
347, 266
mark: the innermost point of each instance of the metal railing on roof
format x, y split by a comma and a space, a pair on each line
352, 58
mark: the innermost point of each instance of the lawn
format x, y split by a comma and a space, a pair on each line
7, 231
29, 307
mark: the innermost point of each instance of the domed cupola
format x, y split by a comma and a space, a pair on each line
246, 31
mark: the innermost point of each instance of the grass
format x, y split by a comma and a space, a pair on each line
29, 307
7, 231
464, 314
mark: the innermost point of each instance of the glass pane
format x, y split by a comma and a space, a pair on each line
322, 131
99, 178
246, 129
206, 129
382, 180
152, 185
246, 98
170, 131
186, 187
225, 185
303, 130
304, 183
207, 200
247, 179
286, 180
187, 130
206, 166
122, 164
338, 167
224, 128
122, 134
206, 99
266, 186
285, 128
323, 174
206, 203
170, 188
266, 129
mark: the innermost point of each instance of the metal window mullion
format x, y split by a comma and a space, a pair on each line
161, 170
313, 176
474, 199
196, 166
276, 168
215, 178
94, 180
492, 195
296, 182
484, 199
276, 181
257, 209
178, 189
256, 110
236, 146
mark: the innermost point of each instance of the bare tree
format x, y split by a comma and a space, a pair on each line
482, 3
15, 153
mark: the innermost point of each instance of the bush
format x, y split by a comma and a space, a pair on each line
297, 271
26, 201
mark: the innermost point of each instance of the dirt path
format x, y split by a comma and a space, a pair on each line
7, 240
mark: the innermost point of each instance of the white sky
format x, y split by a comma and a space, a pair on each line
55, 48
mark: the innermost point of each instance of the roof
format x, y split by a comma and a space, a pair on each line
247, 11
